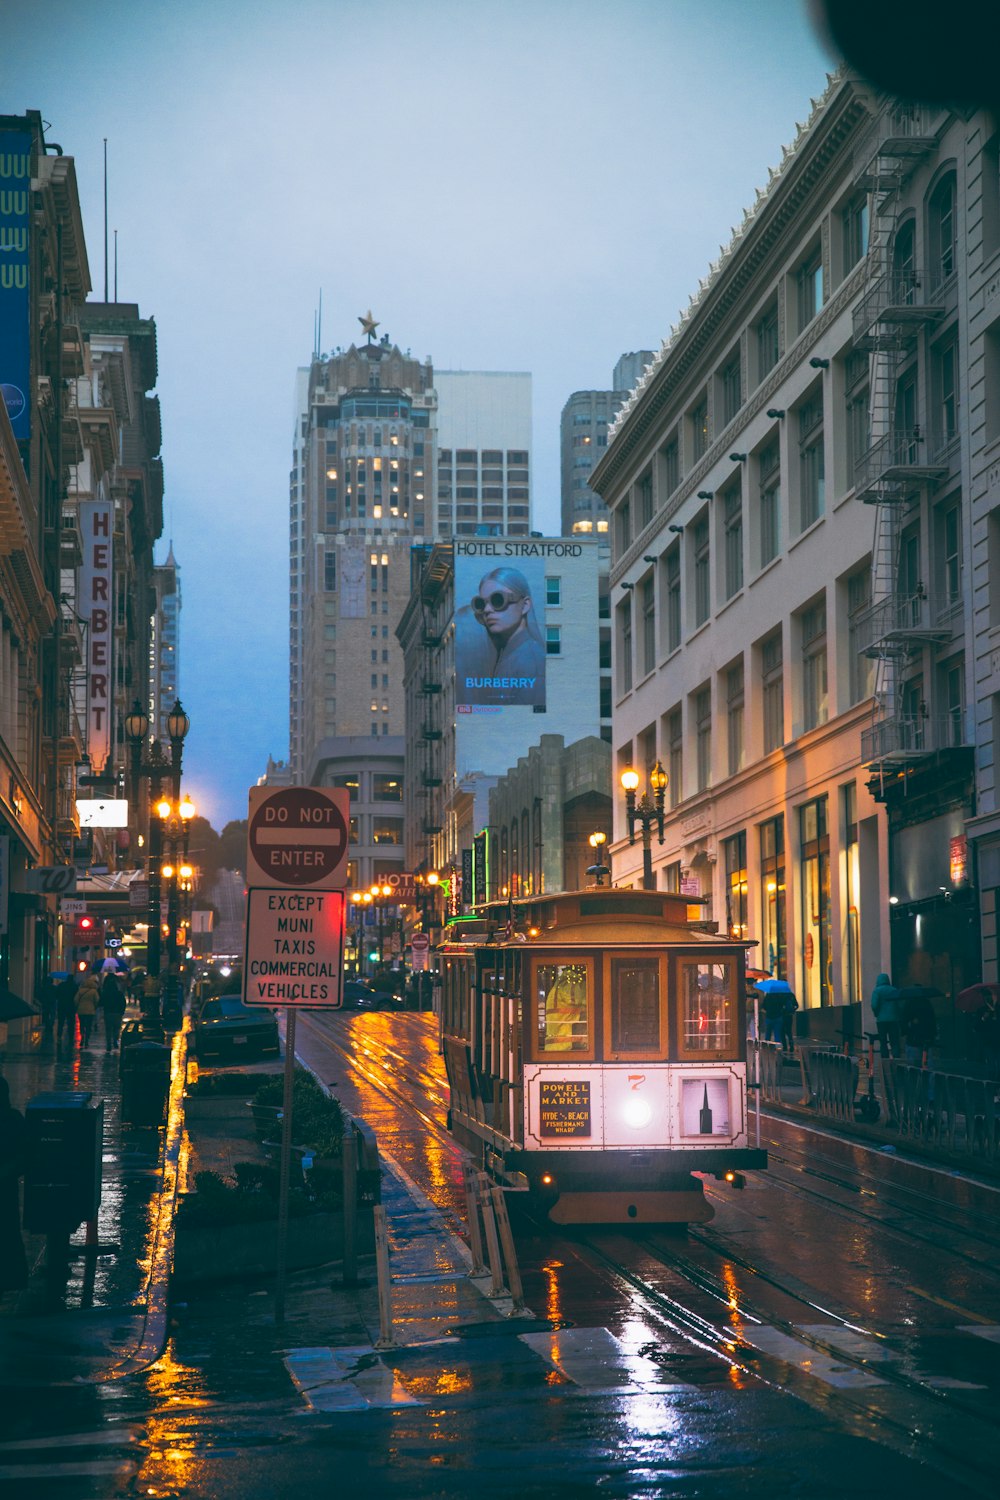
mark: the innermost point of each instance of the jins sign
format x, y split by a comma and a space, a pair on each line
95, 598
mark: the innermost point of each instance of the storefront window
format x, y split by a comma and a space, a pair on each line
773, 954
814, 844
736, 885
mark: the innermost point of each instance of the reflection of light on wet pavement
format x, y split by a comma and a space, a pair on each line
172, 1462
553, 1298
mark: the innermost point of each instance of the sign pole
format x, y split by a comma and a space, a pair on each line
281, 1247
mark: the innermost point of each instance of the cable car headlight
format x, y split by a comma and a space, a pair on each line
637, 1112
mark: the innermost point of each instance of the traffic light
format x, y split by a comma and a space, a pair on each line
88, 932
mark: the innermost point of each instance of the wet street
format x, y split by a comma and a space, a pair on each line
833, 1330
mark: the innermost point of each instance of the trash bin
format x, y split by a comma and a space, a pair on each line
62, 1179
145, 1082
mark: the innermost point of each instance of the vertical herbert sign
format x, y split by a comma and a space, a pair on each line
297, 840
95, 594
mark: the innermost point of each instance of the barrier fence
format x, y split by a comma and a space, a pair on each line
952, 1111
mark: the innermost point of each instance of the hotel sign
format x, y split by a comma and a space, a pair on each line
96, 522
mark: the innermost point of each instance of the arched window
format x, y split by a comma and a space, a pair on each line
941, 229
904, 254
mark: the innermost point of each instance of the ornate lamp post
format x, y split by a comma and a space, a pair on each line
380, 895
156, 770
598, 869
648, 809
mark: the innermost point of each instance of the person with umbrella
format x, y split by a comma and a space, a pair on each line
112, 1006
779, 1002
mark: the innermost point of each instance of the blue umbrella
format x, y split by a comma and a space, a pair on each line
773, 987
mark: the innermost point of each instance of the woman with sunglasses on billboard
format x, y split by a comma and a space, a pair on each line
503, 661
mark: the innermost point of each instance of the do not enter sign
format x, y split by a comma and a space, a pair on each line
297, 837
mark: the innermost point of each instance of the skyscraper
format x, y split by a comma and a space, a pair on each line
583, 437
484, 453
164, 646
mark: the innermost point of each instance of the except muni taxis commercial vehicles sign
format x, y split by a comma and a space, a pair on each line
297, 837
294, 951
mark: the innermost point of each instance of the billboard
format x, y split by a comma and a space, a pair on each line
15, 349
499, 629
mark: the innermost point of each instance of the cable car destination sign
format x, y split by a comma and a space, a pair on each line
296, 871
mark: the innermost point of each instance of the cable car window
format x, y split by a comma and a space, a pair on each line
707, 1008
563, 1009
635, 1005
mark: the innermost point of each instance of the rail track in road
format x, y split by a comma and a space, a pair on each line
713, 1296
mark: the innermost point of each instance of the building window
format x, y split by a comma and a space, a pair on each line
731, 387
732, 501
388, 831
767, 340
857, 409
348, 783
772, 680
812, 623
648, 607
387, 788
769, 472
553, 640
774, 953
859, 598
699, 429
854, 227
644, 501
675, 750
553, 591
673, 567
809, 289
734, 718
953, 694
624, 528
945, 376
814, 848
950, 533
812, 486
671, 466
703, 737
942, 231
330, 572
735, 852
702, 579
625, 647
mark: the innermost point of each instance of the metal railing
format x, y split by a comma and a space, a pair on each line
905, 736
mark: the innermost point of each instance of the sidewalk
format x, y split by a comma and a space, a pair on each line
108, 1316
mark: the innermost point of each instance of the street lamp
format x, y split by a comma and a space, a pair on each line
598, 869
380, 894
648, 809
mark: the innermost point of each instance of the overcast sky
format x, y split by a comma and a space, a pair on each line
509, 186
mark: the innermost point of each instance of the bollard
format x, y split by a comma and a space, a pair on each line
349, 1148
472, 1210
386, 1340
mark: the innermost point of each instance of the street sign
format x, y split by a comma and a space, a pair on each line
419, 951
297, 837
419, 941
51, 880
294, 949
72, 906
138, 895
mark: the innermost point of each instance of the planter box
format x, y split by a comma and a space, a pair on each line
225, 1251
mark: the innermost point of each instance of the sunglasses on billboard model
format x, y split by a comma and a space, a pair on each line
495, 601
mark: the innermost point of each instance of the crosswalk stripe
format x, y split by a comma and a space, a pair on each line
594, 1360
69, 1470
811, 1361
105, 1438
346, 1380
990, 1331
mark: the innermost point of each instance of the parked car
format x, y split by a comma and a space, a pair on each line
359, 995
229, 1030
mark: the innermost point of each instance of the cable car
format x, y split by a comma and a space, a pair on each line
595, 1047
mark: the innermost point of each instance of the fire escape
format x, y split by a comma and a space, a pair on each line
900, 463
430, 742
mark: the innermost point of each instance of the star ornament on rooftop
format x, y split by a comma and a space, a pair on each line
369, 324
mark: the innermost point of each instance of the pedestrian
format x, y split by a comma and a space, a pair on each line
13, 1262
789, 1008
918, 1026
112, 1009
48, 996
774, 1014
87, 1000
885, 1009
426, 990
66, 1009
